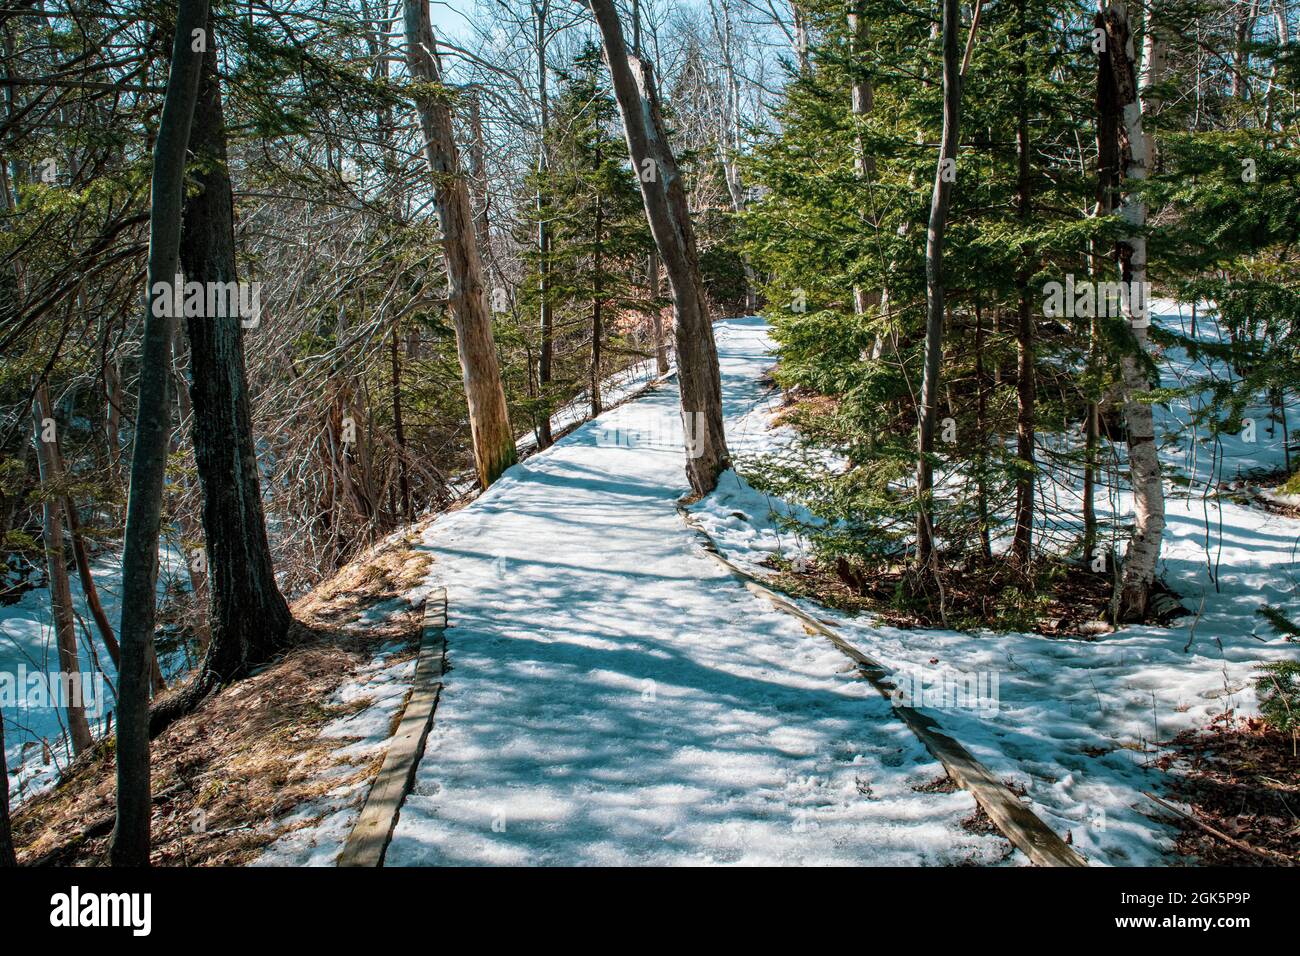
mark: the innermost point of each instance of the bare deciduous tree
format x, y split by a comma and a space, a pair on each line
670, 224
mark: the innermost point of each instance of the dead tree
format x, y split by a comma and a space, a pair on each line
670, 224
494, 442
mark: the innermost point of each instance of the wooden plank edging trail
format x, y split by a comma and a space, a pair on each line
1024, 828
370, 836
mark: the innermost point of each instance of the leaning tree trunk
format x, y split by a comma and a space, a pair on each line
489, 421
670, 225
87, 577
1144, 460
934, 284
56, 572
130, 841
248, 618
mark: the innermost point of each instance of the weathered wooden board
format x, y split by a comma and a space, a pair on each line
1009, 814
370, 836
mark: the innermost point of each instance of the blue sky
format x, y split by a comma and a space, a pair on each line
448, 18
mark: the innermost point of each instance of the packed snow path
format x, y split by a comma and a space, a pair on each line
614, 697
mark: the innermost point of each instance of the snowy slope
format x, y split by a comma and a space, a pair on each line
615, 698
28, 649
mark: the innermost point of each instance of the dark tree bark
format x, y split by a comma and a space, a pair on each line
546, 309
1022, 540
1108, 159
249, 619
399, 431
597, 321
670, 224
981, 425
130, 840
7, 855
934, 285
494, 442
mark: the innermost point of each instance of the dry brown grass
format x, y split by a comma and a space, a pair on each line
225, 777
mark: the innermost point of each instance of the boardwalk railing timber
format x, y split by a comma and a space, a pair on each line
368, 842
1009, 814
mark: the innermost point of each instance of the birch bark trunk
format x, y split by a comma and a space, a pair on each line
545, 308
1143, 551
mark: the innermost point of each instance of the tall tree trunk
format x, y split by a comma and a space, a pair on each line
1022, 541
1246, 14
56, 571
939, 201
597, 324
656, 314
248, 617
1144, 461
130, 840
981, 426
861, 104
728, 142
1107, 104
545, 308
1279, 10
478, 168
494, 443
800, 37
399, 431
113, 415
1155, 68
670, 224
7, 856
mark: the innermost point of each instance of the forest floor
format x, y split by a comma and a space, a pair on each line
229, 778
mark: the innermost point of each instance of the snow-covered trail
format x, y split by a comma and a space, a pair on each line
615, 698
